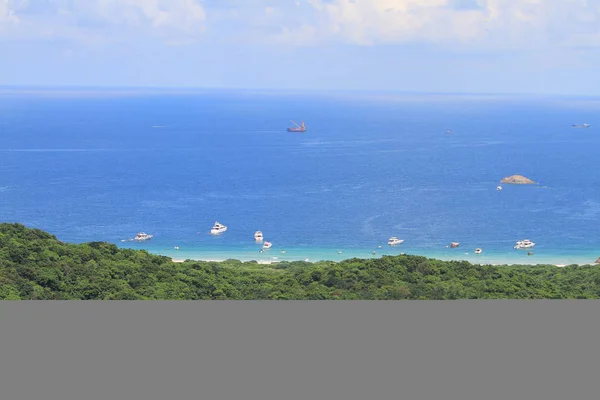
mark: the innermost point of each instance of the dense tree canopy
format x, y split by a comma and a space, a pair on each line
35, 265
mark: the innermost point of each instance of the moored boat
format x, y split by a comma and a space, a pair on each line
524, 244
395, 241
218, 228
140, 237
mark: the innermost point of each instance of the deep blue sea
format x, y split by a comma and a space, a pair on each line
102, 166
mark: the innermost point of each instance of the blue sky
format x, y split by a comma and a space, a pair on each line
490, 46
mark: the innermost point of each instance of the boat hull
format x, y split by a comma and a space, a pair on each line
217, 231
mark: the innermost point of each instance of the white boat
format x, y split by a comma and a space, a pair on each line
267, 245
499, 187
140, 237
454, 244
218, 228
394, 241
258, 236
478, 251
524, 244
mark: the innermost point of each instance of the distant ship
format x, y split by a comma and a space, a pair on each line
298, 128
581, 125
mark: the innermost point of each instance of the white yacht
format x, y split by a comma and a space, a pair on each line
394, 241
267, 245
140, 237
499, 188
218, 228
478, 251
258, 236
524, 244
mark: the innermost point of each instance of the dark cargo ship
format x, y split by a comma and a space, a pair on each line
298, 128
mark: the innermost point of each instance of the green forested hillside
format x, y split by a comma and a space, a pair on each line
35, 265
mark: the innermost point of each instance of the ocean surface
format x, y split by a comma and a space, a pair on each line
104, 165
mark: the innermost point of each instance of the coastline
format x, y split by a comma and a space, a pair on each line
266, 262
323, 255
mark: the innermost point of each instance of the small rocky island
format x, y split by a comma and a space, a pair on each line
517, 180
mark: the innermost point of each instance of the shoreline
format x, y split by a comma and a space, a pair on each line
270, 262
544, 256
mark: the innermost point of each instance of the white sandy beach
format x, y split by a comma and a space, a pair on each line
268, 262
258, 261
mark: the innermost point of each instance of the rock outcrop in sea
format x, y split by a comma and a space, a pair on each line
517, 180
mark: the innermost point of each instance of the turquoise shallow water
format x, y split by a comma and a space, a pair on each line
330, 254
104, 167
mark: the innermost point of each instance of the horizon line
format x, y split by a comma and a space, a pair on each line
25, 87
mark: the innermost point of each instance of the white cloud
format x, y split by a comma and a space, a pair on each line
107, 20
505, 23
182, 15
7, 13
459, 24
